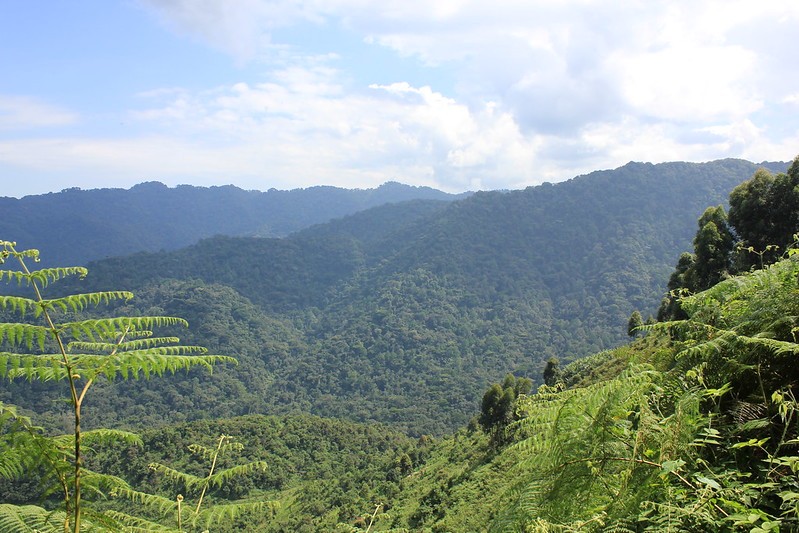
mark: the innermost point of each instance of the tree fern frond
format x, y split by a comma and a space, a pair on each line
79, 302
9, 249
180, 349
144, 364
43, 277
189, 480
20, 305
9, 411
135, 524
45, 367
226, 444
102, 484
108, 347
153, 501
109, 328
30, 519
111, 436
224, 476
226, 513
21, 334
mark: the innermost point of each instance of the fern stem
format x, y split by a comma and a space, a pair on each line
372, 520
222, 439
76, 400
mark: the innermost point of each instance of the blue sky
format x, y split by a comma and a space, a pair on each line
451, 94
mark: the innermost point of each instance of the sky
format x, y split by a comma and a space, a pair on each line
456, 95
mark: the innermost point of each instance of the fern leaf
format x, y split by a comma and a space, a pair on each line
135, 524
20, 305
140, 364
109, 328
153, 501
224, 476
79, 302
45, 367
190, 481
44, 276
111, 436
30, 519
20, 334
227, 513
108, 347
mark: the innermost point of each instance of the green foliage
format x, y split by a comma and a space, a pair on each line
765, 212
78, 226
764, 215
403, 314
59, 348
211, 515
499, 403
635, 323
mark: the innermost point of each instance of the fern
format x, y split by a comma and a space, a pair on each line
193, 485
80, 352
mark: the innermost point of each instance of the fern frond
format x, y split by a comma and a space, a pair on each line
44, 276
224, 476
21, 334
30, 519
111, 436
9, 412
45, 367
109, 328
79, 302
226, 444
20, 305
153, 501
226, 513
108, 347
134, 365
135, 524
190, 481
101, 484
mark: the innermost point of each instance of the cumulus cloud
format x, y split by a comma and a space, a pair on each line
541, 90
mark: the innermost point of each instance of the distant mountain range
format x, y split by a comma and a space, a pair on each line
400, 313
77, 225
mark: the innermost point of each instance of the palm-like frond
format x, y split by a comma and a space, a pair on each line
42, 277
190, 481
226, 513
18, 334
30, 519
102, 329
153, 501
135, 524
225, 476
108, 347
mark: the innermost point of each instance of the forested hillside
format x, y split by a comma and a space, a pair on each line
691, 427
81, 225
402, 314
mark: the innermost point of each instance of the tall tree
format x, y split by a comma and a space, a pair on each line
764, 211
635, 322
713, 245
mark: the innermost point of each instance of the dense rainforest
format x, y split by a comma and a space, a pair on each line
78, 226
691, 427
401, 314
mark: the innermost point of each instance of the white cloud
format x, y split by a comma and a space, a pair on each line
25, 113
541, 90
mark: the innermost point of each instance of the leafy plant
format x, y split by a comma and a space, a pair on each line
199, 486
56, 341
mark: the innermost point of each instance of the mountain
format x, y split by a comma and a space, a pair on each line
403, 314
77, 226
